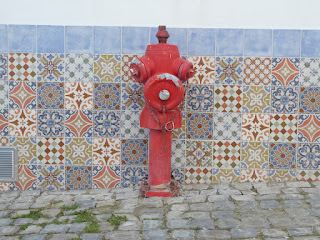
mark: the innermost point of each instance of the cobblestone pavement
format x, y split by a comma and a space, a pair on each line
235, 211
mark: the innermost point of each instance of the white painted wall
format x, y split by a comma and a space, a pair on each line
280, 14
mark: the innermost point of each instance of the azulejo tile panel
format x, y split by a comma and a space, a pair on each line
194, 175
227, 98
107, 96
27, 178
79, 67
226, 154
308, 156
229, 70
106, 124
3, 66
204, 68
308, 175
282, 156
50, 123
78, 177
22, 66
254, 175
51, 150
4, 122
125, 70
199, 153
199, 126
285, 71
27, 149
227, 126
225, 175
50, 95
51, 67
134, 152
310, 100
276, 175
309, 128
255, 127
78, 151
132, 96
257, 71
106, 151
105, 177
284, 99
22, 95
107, 68
78, 95
22, 122
130, 125
132, 176
283, 128
4, 94
178, 174
51, 177
178, 153
309, 72
256, 99
180, 133
255, 155
78, 123
200, 98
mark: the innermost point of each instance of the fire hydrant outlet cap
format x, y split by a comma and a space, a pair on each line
164, 94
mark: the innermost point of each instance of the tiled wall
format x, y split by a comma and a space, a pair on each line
252, 111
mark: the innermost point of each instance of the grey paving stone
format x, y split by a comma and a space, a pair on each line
65, 218
5, 222
270, 204
178, 223
291, 190
201, 207
64, 236
208, 192
174, 200
298, 184
315, 211
77, 227
266, 197
130, 226
281, 222
183, 234
10, 238
4, 213
180, 207
197, 199
225, 206
190, 193
201, 223
54, 228
255, 222
306, 238
151, 202
218, 198
294, 203
23, 205
227, 223
229, 192
152, 224
274, 232
32, 229
154, 216
105, 227
244, 232
155, 234
102, 217
314, 202
51, 212
300, 231
222, 214
213, 234
91, 236
3, 206
242, 198
174, 214
123, 235
22, 221
268, 190
196, 215
22, 199
247, 205
307, 221
294, 212
34, 237
8, 230
30, 193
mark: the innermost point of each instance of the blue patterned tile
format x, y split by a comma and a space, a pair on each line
308, 156
78, 177
308, 128
134, 40
50, 123
132, 96
286, 43
106, 124
282, 156
199, 153
132, 176
229, 42
201, 42
4, 97
134, 152
200, 98
78, 123
199, 126
3, 38
79, 39
50, 67
22, 38
4, 119
50, 39
284, 100
178, 153
227, 126
310, 72
27, 176
178, 174
285, 71
3, 66
79, 67
107, 40
22, 95
50, 95
107, 96
106, 177
258, 43
310, 100
310, 43
51, 177
130, 125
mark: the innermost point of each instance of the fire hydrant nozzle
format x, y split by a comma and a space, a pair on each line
162, 34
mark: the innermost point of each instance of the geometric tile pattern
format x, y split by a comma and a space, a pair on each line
284, 100
309, 72
50, 150
79, 67
199, 153
256, 99
3, 66
254, 175
227, 126
200, 98
107, 68
27, 178
107, 96
105, 177
78, 151
283, 128
227, 98
134, 152
255, 127
106, 124
50, 67
22, 95
308, 156
309, 128
132, 96
125, 70
199, 126
226, 154
27, 149
282, 156
196, 175
50, 123
78, 95
132, 176
285, 71
50, 95
229, 70
254, 155
310, 100
78, 177
106, 151
4, 90
51, 177
22, 122
22, 66
204, 68
78, 123
225, 175
257, 71
277, 175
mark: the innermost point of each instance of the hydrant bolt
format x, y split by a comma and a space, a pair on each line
164, 94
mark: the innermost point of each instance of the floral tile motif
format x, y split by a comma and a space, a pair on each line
227, 98
107, 68
180, 133
5, 186
283, 128
199, 126
309, 72
196, 175
276, 175
78, 177
257, 71
51, 150
178, 174
125, 70
4, 90
132, 176
204, 68
308, 175
310, 100
229, 70
22, 122
254, 155
50, 95
79, 67
107, 96
254, 175
130, 125
225, 175
27, 149
226, 154
78, 151
309, 128
282, 156
255, 127
106, 124
50, 123
51, 67
22, 95
134, 152
4, 123
256, 99
285, 71
106, 151
78, 95
132, 96
199, 154
3, 66
51, 177
27, 176
78, 123
22, 66
178, 153
308, 156
4, 141
284, 100
227, 126
105, 177
200, 98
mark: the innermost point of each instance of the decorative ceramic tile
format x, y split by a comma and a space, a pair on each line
50, 39
51, 95
227, 98
22, 66
276, 175
180, 133
22, 123
199, 154
178, 174
132, 96
27, 176
200, 98
133, 44
50, 123
5, 186
106, 124
26, 149
310, 72
229, 70
79, 39
78, 177
258, 42
283, 128
256, 99
79, 68
308, 175
308, 156
225, 175
309, 128
254, 155
4, 126
22, 95
255, 127
78, 151
310, 100
3, 66
227, 126
107, 39
285, 71
51, 177
229, 42
257, 71
107, 68
178, 153
50, 150
254, 175
106, 151
78, 123
284, 100
125, 73
309, 40
226, 154
204, 68
286, 43
132, 176
106, 177
78, 95
282, 156
51, 67
4, 141
22, 38
196, 175
130, 125
107, 96
134, 152
199, 126
4, 96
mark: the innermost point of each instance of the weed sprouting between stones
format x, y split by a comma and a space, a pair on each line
94, 227
115, 220
68, 208
35, 215
84, 216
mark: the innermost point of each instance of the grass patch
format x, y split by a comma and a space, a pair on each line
94, 227
35, 215
25, 226
151, 219
69, 208
76, 239
196, 228
116, 220
84, 216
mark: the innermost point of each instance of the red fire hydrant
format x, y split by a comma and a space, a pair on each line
162, 71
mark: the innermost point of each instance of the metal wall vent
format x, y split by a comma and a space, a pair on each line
8, 164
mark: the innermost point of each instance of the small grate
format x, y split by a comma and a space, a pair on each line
8, 164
